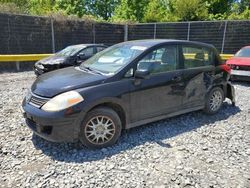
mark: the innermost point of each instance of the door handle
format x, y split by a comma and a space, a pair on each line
176, 78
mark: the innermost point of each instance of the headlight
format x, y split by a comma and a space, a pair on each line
39, 65
62, 101
28, 95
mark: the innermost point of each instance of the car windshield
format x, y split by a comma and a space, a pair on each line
70, 50
245, 52
114, 58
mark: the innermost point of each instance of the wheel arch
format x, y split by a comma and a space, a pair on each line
114, 104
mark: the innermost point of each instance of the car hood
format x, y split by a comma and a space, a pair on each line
244, 61
54, 59
62, 80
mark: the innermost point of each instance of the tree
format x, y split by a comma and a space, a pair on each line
159, 11
188, 10
130, 10
10, 8
21, 4
75, 7
37, 7
102, 9
243, 5
219, 6
41, 7
238, 13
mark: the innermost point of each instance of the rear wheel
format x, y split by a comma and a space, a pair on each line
101, 128
214, 100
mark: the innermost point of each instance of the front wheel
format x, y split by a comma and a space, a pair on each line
101, 128
214, 100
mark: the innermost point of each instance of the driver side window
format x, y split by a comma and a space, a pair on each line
87, 52
163, 59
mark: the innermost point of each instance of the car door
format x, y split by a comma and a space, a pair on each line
160, 93
199, 69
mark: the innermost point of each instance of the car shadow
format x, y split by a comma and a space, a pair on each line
158, 132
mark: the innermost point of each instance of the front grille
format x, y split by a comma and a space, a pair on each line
239, 67
247, 68
37, 101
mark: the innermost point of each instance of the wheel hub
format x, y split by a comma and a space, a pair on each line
215, 100
100, 129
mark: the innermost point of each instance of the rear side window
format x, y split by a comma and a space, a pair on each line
197, 57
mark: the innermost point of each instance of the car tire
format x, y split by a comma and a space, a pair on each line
101, 128
214, 100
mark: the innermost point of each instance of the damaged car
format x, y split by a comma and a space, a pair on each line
70, 56
124, 86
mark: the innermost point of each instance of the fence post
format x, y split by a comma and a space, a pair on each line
155, 31
52, 35
126, 32
188, 34
93, 31
224, 37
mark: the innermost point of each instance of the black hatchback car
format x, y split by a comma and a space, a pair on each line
70, 56
126, 85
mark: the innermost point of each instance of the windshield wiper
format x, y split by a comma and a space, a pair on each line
88, 69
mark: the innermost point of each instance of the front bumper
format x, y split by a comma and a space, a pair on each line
52, 126
240, 75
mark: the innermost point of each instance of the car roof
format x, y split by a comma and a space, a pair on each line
86, 45
153, 42
245, 47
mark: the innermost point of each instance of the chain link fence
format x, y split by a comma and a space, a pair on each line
22, 34
226, 36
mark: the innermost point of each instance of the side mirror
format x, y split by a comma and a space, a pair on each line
142, 74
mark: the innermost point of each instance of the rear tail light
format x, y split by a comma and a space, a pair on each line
226, 68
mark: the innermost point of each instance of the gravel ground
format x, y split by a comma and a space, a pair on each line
191, 150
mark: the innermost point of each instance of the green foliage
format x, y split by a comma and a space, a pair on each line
159, 11
130, 10
40, 7
243, 5
71, 7
102, 9
219, 7
36, 7
99, 9
10, 8
238, 14
217, 16
187, 10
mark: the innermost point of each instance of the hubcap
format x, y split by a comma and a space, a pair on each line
215, 101
100, 129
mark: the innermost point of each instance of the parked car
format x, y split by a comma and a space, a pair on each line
124, 86
69, 56
240, 64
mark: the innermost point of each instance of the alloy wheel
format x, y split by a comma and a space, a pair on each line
215, 100
100, 130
